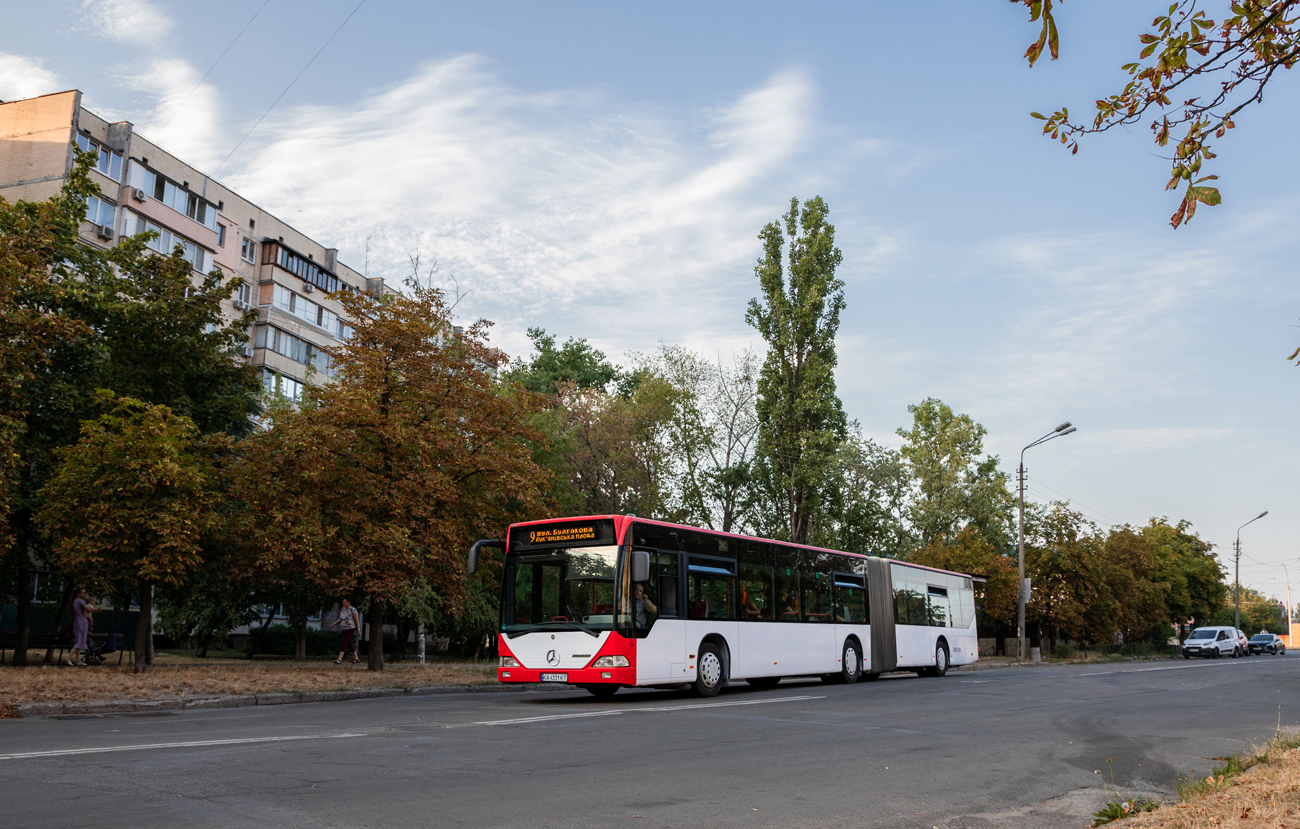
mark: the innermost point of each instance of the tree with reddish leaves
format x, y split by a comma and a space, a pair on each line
386, 474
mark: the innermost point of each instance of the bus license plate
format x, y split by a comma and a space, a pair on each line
555, 677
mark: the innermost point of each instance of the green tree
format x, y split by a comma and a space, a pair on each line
1196, 588
801, 421
867, 504
133, 498
1193, 74
576, 363
712, 429
954, 486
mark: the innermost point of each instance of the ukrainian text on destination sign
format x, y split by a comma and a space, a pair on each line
559, 534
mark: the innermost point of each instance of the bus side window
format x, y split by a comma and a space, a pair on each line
816, 583
665, 566
851, 599
711, 585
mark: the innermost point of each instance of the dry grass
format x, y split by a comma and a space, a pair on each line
1266, 797
171, 677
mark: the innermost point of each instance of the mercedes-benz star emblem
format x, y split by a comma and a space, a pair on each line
552, 658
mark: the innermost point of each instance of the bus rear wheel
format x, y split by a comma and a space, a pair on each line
710, 672
602, 691
850, 664
940, 662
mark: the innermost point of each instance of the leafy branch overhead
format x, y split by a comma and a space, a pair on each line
1193, 75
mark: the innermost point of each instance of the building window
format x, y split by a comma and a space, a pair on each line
166, 242
100, 212
286, 344
109, 163
286, 387
248, 251
307, 270
181, 200
221, 236
244, 294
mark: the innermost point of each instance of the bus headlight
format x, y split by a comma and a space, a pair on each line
509, 662
611, 662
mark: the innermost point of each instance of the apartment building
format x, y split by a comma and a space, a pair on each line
143, 187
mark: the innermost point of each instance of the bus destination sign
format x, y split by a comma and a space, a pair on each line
568, 533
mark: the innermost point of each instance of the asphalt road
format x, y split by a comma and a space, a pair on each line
1013, 747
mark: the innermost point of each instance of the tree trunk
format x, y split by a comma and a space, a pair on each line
64, 604
399, 647
144, 629
23, 617
300, 639
375, 655
420, 643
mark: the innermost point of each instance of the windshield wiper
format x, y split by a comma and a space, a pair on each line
511, 634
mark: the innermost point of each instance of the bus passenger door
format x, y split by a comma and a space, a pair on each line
661, 651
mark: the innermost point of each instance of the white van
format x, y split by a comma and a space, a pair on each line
1212, 642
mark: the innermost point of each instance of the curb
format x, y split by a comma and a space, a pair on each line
120, 706
993, 666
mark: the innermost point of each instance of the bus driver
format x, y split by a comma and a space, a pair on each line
643, 607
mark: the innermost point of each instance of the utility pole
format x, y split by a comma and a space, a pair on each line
1236, 587
1023, 594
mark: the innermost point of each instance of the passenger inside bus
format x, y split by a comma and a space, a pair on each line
643, 607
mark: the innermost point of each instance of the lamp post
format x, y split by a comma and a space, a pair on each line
1059, 432
1236, 589
1288, 603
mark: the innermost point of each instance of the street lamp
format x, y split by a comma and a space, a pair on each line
1237, 577
1059, 432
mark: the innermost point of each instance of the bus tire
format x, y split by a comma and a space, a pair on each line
710, 672
764, 682
941, 662
602, 691
850, 663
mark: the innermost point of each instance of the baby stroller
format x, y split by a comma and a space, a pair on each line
94, 653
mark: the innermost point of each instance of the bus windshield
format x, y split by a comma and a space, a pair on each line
564, 588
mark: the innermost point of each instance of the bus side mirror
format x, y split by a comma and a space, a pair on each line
640, 566
478, 545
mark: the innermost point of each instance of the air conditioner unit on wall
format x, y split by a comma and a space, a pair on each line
106, 232
241, 305
307, 287
138, 194
248, 351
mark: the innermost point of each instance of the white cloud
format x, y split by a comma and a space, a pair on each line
23, 77
137, 22
1123, 441
562, 206
186, 120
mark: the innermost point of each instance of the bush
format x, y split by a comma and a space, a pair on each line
280, 640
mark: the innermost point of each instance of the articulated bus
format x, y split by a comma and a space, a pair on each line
616, 601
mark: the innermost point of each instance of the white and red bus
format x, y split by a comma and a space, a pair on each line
614, 601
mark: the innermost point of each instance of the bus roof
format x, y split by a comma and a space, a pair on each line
621, 523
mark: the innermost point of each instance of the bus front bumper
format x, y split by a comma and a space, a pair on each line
581, 676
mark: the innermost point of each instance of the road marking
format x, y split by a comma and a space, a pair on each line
618, 711
525, 720
69, 752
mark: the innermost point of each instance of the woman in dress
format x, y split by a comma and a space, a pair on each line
81, 610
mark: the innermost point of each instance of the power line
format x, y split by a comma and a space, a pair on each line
209, 72
1073, 501
287, 88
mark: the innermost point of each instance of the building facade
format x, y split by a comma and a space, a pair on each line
286, 274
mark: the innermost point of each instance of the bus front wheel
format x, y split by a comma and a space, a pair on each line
711, 672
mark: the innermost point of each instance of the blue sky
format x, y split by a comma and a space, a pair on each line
603, 170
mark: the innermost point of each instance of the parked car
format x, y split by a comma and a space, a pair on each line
1267, 643
1211, 642
1243, 643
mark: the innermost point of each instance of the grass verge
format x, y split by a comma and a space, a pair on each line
174, 678
1259, 789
